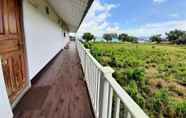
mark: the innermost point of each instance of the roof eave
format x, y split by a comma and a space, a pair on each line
85, 13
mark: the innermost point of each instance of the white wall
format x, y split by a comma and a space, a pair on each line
44, 38
5, 108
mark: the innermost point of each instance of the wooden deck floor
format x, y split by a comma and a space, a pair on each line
59, 92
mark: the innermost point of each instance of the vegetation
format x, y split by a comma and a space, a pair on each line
108, 37
177, 36
154, 75
88, 37
156, 38
126, 38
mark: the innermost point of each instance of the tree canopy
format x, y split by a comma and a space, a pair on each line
88, 36
108, 37
125, 37
156, 38
174, 35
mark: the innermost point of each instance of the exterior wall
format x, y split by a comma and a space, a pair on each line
43, 33
5, 109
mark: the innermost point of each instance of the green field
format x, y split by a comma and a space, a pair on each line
153, 75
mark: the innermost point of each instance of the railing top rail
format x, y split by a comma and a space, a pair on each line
91, 57
133, 108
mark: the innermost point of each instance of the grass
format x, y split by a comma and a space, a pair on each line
153, 75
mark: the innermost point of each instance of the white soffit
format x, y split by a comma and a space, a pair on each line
71, 11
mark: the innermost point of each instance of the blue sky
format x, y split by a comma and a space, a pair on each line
136, 17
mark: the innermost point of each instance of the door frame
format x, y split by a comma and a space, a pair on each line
6, 112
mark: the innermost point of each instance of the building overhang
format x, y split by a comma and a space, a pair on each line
71, 11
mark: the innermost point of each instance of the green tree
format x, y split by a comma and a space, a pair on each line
181, 39
88, 36
156, 38
108, 37
133, 39
174, 35
123, 37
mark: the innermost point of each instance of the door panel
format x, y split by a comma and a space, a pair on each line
12, 17
12, 47
1, 18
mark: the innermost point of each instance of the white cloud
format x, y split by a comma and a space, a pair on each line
157, 28
96, 20
159, 1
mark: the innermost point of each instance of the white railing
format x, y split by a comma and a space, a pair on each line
107, 96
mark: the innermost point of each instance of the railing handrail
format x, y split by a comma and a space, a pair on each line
131, 105
126, 99
93, 59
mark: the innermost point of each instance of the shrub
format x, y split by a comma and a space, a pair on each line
87, 45
120, 75
113, 62
179, 108
136, 74
160, 100
132, 88
105, 60
131, 62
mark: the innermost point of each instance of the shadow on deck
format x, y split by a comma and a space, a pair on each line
59, 91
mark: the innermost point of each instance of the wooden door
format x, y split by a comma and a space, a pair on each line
12, 48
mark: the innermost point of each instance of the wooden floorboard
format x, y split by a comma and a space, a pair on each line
59, 91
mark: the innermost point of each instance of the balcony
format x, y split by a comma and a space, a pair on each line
58, 92
75, 85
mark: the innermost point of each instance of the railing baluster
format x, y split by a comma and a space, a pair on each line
91, 84
98, 91
93, 81
105, 100
110, 102
92, 76
126, 113
96, 83
117, 108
